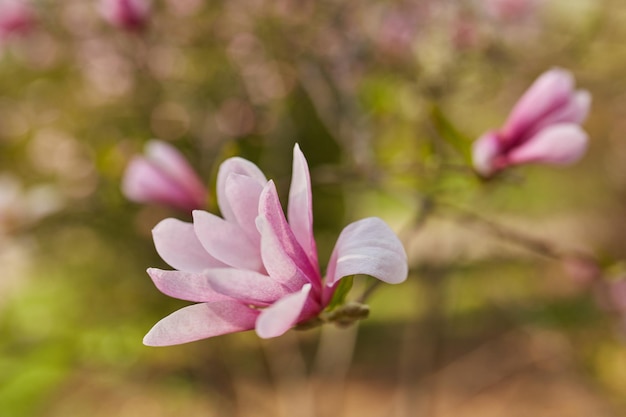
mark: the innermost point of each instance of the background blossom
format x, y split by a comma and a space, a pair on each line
543, 127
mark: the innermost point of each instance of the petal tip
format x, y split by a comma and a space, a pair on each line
152, 340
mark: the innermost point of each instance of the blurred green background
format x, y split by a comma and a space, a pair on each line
376, 94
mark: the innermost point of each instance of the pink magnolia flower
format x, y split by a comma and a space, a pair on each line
256, 269
126, 14
543, 127
162, 175
16, 18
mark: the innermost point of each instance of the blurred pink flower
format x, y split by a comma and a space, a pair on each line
253, 268
162, 175
543, 127
510, 10
130, 15
396, 32
16, 18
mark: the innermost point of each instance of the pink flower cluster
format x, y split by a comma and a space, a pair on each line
543, 127
256, 268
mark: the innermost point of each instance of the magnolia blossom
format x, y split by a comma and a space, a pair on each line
126, 14
162, 175
16, 18
543, 127
255, 268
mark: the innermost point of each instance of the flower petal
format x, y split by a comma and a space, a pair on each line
276, 260
144, 182
169, 160
230, 166
185, 285
283, 314
574, 111
550, 91
226, 241
247, 286
369, 247
243, 194
177, 244
484, 152
201, 321
560, 144
300, 208
283, 256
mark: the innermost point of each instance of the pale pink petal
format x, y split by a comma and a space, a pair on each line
550, 91
484, 152
143, 182
581, 103
277, 262
574, 111
283, 314
226, 241
278, 239
201, 321
558, 144
243, 194
368, 247
239, 166
300, 208
189, 286
173, 163
177, 244
247, 286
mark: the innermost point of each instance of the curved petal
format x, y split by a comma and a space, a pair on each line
247, 286
369, 247
283, 314
177, 244
239, 166
550, 91
201, 321
144, 182
574, 111
185, 285
560, 144
226, 241
282, 255
173, 164
277, 262
300, 208
243, 194
484, 152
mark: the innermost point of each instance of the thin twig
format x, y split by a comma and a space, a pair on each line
535, 245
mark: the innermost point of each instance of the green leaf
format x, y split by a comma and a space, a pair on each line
339, 297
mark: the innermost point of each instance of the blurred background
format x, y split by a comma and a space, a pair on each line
498, 316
